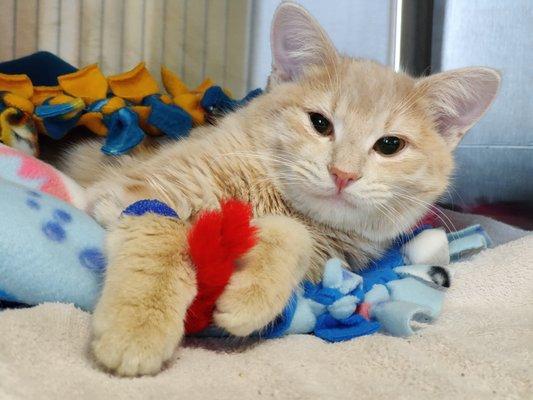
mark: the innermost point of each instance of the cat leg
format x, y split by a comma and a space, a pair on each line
267, 275
150, 283
106, 199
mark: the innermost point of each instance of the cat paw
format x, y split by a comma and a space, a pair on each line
104, 205
133, 347
246, 310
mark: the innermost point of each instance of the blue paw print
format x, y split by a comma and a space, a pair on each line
33, 204
33, 193
31, 201
55, 230
92, 259
61, 215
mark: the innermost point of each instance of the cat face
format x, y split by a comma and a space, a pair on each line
355, 145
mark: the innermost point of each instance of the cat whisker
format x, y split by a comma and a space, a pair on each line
396, 223
408, 231
443, 218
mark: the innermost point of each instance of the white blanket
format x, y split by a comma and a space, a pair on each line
481, 347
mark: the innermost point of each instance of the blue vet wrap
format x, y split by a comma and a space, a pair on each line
150, 206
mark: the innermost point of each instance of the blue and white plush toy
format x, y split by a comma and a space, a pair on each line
51, 251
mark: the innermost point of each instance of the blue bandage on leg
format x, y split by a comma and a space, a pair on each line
150, 206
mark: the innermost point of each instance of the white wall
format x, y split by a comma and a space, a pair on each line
359, 28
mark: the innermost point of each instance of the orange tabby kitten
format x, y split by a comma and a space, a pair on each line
337, 158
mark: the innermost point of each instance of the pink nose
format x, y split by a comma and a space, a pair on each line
342, 178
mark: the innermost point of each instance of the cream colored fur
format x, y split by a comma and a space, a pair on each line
269, 154
148, 288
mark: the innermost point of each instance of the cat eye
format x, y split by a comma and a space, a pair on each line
321, 124
389, 145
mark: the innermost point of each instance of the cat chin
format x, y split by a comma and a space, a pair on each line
347, 217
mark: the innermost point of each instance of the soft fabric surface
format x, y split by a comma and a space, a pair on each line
482, 346
49, 250
498, 232
30, 172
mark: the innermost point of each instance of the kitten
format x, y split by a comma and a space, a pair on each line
337, 158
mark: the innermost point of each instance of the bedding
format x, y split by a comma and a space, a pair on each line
481, 347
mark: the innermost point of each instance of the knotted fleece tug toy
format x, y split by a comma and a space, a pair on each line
405, 287
122, 108
16, 124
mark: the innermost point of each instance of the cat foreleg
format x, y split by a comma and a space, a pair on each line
150, 282
267, 275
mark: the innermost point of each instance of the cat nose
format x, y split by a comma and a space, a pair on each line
342, 178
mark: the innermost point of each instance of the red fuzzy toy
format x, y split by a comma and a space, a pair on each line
216, 241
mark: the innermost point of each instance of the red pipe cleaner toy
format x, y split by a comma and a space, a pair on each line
216, 241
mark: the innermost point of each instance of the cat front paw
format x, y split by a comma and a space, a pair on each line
132, 347
104, 205
244, 311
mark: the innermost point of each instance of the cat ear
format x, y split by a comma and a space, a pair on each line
297, 40
459, 98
